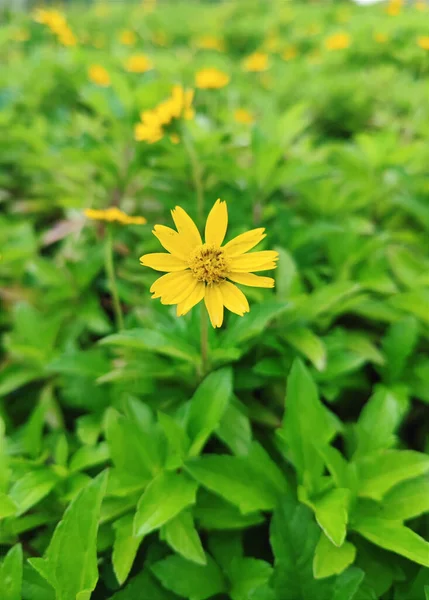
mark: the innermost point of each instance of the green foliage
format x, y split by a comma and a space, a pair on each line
291, 462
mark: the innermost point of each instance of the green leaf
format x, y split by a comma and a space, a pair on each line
143, 587
236, 480
31, 488
235, 430
330, 559
164, 498
394, 536
177, 441
7, 506
254, 324
89, 456
380, 472
213, 513
125, 547
331, 511
247, 575
195, 582
378, 421
181, 535
407, 500
347, 584
11, 574
70, 563
306, 425
207, 407
398, 345
414, 303
154, 341
306, 342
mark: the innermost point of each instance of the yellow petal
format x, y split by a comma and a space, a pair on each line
196, 296
233, 298
255, 261
214, 304
181, 290
172, 241
163, 262
167, 283
186, 227
251, 279
216, 224
244, 242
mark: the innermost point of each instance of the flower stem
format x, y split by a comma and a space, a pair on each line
112, 279
204, 333
196, 176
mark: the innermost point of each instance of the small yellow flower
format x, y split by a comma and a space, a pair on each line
52, 18
423, 42
422, 6
290, 53
150, 133
256, 62
210, 42
241, 115
394, 8
211, 78
113, 215
67, 38
138, 63
127, 37
175, 138
198, 271
99, 75
338, 41
273, 42
381, 38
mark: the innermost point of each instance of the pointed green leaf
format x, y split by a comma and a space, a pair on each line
125, 547
407, 500
181, 535
330, 559
11, 574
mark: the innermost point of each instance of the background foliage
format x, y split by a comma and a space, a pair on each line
298, 468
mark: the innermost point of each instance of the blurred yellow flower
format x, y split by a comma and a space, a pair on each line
338, 41
381, 38
394, 8
148, 132
422, 6
256, 62
138, 63
423, 42
272, 42
128, 37
210, 42
21, 35
175, 138
160, 38
289, 53
98, 75
241, 115
149, 5
51, 18
200, 271
211, 78
113, 215
67, 37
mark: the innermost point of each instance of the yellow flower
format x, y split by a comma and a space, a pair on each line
241, 115
200, 271
256, 62
420, 5
99, 75
175, 138
211, 78
148, 132
138, 63
423, 42
272, 43
290, 53
149, 5
67, 37
381, 38
338, 41
52, 18
394, 8
128, 37
113, 215
160, 38
210, 42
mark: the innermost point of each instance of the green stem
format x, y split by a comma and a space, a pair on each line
196, 176
204, 333
112, 279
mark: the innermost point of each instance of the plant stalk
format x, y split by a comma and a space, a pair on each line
110, 270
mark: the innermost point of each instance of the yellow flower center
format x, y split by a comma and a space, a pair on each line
209, 263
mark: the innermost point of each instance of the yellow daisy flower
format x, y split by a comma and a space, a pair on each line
98, 75
198, 271
127, 37
338, 41
211, 79
256, 62
381, 38
290, 53
113, 215
138, 63
423, 42
210, 42
241, 115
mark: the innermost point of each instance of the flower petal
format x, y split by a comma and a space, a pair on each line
172, 241
244, 242
164, 284
196, 296
180, 290
251, 279
186, 227
233, 298
161, 261
255, 261
214, 304
216, 223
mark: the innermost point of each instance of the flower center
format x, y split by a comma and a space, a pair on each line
209, 264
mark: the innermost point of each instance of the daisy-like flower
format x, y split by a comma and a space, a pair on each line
256, 62
98, 75
244, 116
138, 63
380, 37
113, 215
423, 42
290, 53
210, 42
127, 37
338, 41
197, 270
211, 79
